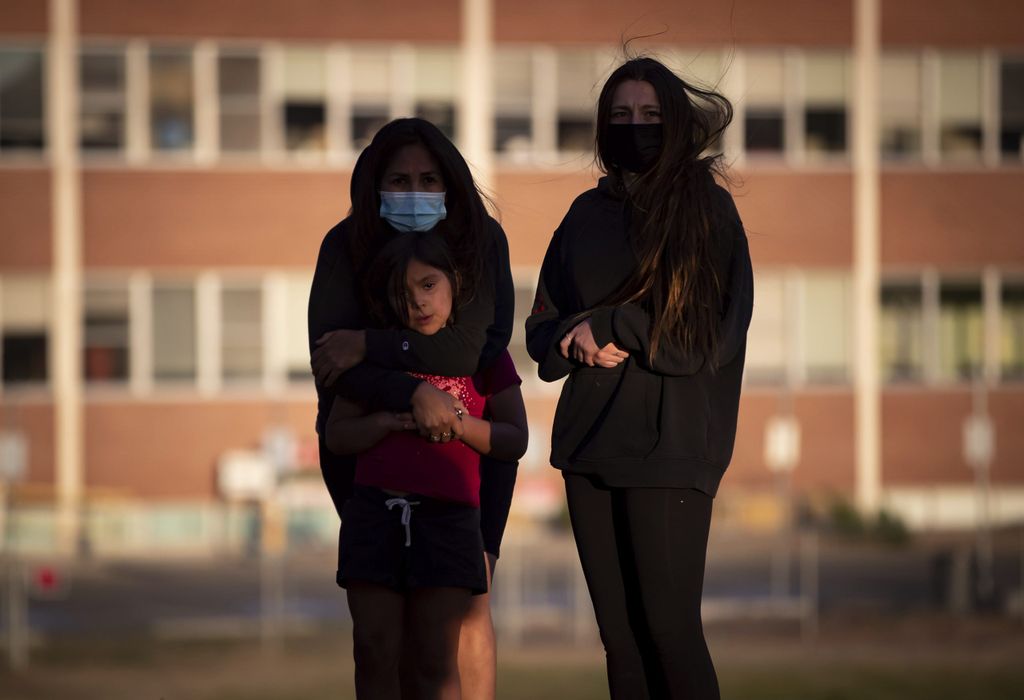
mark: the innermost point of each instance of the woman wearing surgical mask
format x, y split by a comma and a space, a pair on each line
644, 299
412, 178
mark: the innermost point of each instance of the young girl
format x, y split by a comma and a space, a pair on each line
411, 553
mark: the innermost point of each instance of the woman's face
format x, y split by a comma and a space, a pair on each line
429, 292
412, 169
635, 102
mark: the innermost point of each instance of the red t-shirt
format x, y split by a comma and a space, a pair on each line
450, 471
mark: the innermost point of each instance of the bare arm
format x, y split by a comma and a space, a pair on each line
506, 435
350, 431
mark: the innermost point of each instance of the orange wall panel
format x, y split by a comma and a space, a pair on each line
25, 237
952, 219
170, 450
826, 452
209, 218
35, 422
531, 205
742, 22
922, 436
953, 23
24, 17
437, 20
797, 218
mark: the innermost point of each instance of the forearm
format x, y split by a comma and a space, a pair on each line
377, 388
494, 439
354, 435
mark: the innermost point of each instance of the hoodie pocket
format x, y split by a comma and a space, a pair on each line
621, 412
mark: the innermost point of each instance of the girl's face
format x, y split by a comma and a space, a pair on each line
635, 102
412, 169
429, 292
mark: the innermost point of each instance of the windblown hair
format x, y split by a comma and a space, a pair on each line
387, 273
673, 219
464, 230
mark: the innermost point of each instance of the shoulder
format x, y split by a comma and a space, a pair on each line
335, 241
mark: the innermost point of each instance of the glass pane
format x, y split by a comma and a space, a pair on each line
366, 121
960, 106
766, 346
102, 120
901, 106
171, 99
825, 91
305, 106
297, 336
826, 323
21, 99
577, 96
763, 129
239, 93
902, 332
1011, 334
25, 317
242, 333
106, 334
371, 75
1011, 109
174, 333
513, 83
961, 330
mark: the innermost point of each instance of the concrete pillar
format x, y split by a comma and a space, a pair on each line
866, 253
66, 348
476, 109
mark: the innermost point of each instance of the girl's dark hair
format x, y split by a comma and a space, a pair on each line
465, 227
390, 306
672, 224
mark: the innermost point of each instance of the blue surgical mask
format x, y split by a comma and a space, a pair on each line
412, 211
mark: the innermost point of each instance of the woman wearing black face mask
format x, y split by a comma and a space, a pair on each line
644, 300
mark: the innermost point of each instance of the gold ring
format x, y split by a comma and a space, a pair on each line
435, 438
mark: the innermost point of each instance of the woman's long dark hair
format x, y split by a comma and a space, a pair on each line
672, 224
387, 273
465, 227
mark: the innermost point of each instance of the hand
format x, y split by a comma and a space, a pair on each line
434, 413
581, 344
336, 353
397, 421
459, 427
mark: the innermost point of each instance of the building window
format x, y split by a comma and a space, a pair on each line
239, 87
1011, 109
764, 123
102, 81
437, 71
577, 94
960, 79
24, 327
826, 327
106, 334
297, 337
304, 106
961, 330
21, 100
825, 103
174, 332
1011, 334
172, 100
242, 333
766, 346
902, 332
513, 97
371, 93
901, 106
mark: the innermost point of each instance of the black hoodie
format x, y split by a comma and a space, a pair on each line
670, 423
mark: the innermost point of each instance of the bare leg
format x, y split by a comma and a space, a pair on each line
432, 619
477, 651
377, 614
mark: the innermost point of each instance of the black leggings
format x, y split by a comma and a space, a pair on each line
643, 552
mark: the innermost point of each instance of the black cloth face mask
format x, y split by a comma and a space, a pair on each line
634, 147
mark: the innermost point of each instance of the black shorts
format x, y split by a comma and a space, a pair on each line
440, 546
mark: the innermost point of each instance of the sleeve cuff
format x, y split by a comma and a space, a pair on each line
601, 325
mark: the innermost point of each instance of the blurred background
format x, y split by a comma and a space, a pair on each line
168, 170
